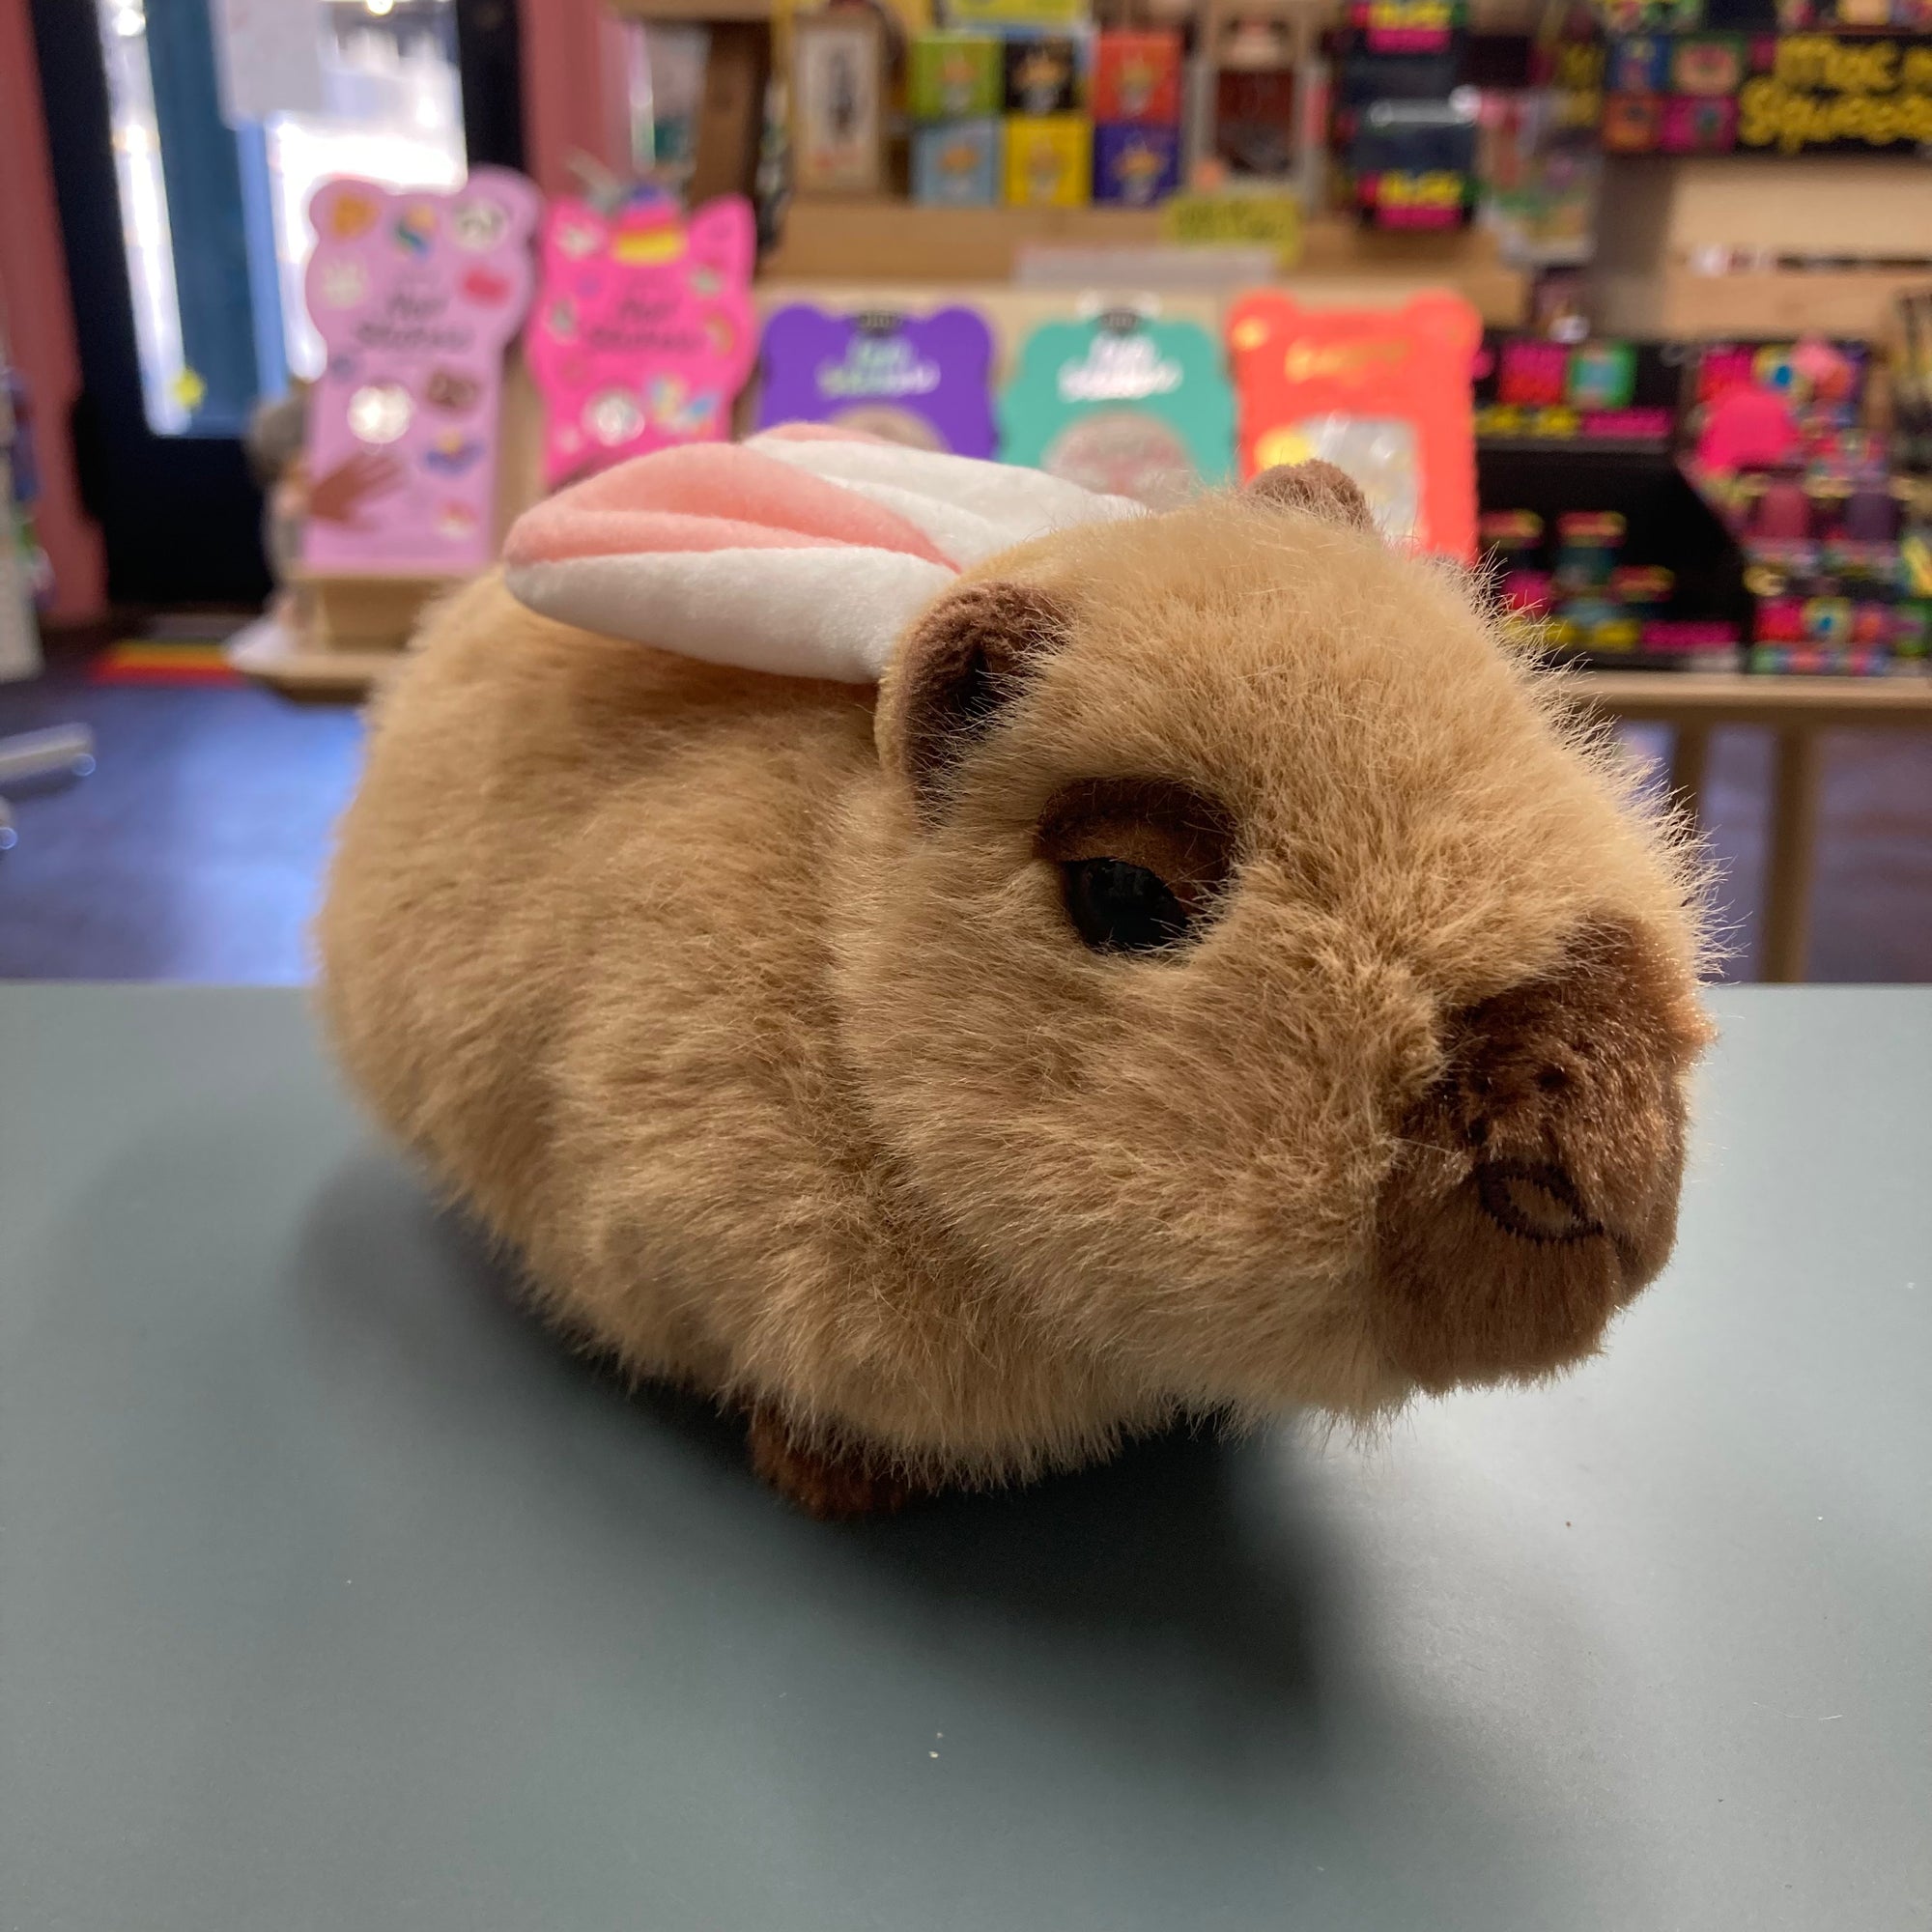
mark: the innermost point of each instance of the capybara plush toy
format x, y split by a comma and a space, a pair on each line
964, 971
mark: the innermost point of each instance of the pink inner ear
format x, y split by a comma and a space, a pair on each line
709, 497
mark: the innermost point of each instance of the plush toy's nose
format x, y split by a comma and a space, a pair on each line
1537, 1189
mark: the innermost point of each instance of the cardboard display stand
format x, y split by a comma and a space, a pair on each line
642, 333
919, 379
1383, 393
416, 297
1124, 403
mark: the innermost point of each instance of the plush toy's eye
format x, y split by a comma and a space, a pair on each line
1144, 864
1121, 908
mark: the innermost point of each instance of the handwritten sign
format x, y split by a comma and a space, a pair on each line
643, 333
917, 380
415, 294
1237, 221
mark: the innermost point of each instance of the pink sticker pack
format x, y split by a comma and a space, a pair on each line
643, 333
415, 294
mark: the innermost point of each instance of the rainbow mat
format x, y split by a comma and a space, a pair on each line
147, 661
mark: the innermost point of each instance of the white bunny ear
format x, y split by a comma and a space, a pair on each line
804, 553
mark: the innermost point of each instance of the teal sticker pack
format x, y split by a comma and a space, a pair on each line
1122, 403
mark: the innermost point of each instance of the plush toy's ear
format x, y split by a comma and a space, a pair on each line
804, 551
1317, 489
958, 666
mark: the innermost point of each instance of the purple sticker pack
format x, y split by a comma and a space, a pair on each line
415, 294
917, 380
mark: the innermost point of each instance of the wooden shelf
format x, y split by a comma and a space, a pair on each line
1743, 697
700, 12
269, 651
828, 240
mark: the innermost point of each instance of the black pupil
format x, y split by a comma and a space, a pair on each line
1121, 908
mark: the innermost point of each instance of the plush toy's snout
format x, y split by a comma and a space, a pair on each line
1538, 1188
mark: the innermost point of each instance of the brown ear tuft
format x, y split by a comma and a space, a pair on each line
958, 666
1318, 489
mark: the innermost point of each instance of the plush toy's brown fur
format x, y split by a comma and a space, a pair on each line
751, 1012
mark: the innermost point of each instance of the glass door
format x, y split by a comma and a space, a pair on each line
187, 135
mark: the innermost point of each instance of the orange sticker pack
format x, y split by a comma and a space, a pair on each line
1383, 393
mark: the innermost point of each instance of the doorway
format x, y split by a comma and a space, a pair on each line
181, 189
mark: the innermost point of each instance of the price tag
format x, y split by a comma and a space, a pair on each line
1236, 220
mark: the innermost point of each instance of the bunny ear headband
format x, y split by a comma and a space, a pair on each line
804, 551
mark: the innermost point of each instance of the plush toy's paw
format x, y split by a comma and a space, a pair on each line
831, 1486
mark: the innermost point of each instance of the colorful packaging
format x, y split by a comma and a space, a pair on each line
1711, 67
1602, 376
1384, 393
1137, 79
957, 163
1693, 127
956, 76
1639, 65
1123, 404
1632, 124
921, 381
1405, 27
1136, 166
415, 295
1003, 13
1046, 74
1254, 121
1049, 161
643, 333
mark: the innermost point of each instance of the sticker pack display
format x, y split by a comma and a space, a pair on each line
1383, 393
1121, 403
643, 333
917, 380
415, 295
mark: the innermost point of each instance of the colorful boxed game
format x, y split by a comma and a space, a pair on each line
1137, 79
1049, 161
1383, 393
1639, 65
1810, 499
1124, 404
955, 76
1696, 127
1046, 74
1413, 164
1533, 389
1135, 166
1591, 604
957, 163
1405, 27
921, 381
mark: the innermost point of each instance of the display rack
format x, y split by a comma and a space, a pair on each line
1750, 246
875, 241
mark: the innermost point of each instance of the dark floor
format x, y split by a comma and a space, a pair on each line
194, 850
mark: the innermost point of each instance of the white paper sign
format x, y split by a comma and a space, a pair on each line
267, 56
